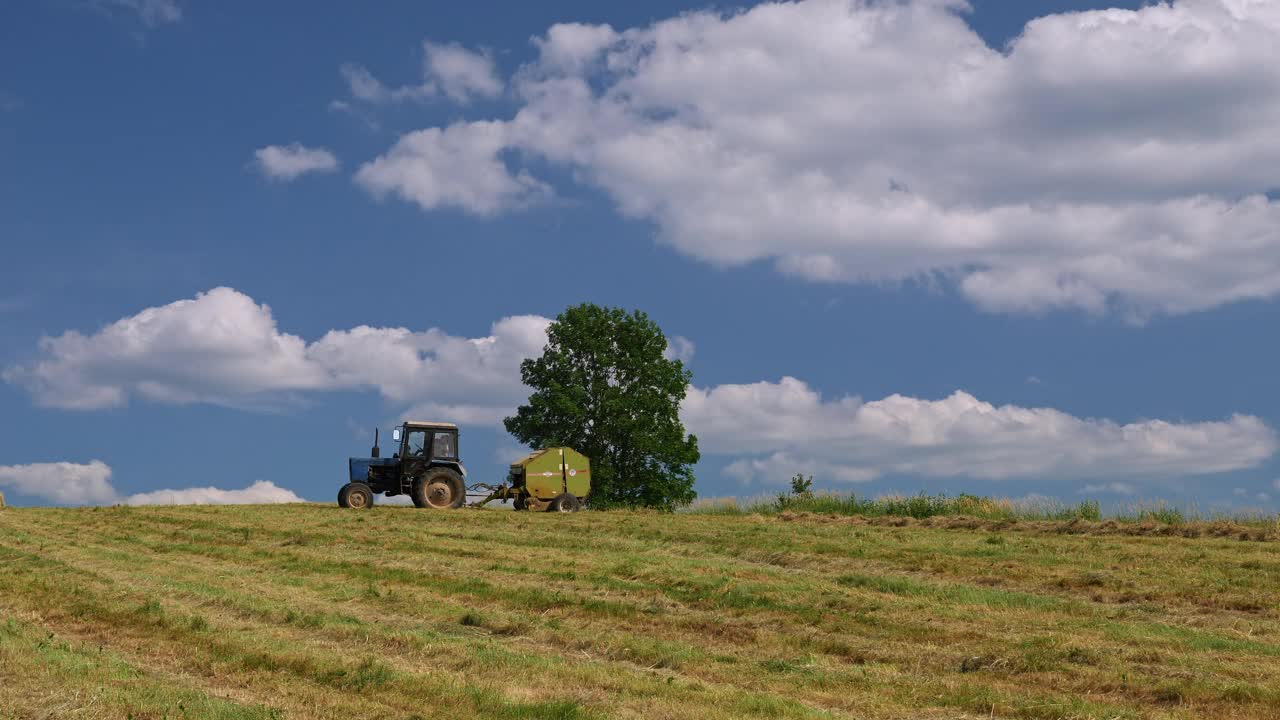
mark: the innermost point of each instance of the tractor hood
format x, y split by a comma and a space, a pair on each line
360, 466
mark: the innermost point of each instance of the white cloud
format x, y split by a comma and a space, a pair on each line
365, 87
262, 492
152, 13
462, 73
447, 68
468, 380
679, 348
1276, 484
459, 166
784, 427
68, 483
219, 347
362, 84
287, 162
223, 348
1107, 160
64, 483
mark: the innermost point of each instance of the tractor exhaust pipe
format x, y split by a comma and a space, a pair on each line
375, 452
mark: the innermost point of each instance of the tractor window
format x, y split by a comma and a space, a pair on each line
416, 444
444, 446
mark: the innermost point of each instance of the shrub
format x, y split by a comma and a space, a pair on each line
802, 487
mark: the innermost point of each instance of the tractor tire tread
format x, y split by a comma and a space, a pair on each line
344, 495
449, 475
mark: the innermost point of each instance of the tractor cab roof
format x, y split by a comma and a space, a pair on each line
432, 425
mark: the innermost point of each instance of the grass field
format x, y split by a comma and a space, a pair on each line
308, 611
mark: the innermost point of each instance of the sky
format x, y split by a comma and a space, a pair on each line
1012, 248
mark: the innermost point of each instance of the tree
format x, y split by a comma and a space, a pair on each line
604, 387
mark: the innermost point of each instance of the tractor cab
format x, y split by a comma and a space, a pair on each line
425, 467
427, 441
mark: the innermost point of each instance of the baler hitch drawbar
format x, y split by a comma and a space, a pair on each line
496, 492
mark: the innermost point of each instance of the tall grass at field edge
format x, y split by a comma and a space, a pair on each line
923, 505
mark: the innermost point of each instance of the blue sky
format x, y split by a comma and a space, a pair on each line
887, 203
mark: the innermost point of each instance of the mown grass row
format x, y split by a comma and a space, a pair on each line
310, 611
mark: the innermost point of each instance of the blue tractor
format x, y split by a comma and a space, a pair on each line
426, 468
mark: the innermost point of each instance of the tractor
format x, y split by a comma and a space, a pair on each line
426, 468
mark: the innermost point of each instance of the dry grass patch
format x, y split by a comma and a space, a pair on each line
315, 612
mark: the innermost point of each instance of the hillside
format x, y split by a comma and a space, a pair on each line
313, 612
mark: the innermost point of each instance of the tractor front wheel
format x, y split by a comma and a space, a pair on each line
355, 495
439, 488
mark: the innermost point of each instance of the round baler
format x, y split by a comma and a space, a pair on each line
554, 479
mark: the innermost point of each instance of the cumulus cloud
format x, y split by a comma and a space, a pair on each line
1109, 160
462, 73
262, 492
68, 483
64, 483
469, 380
459, 166
785, 427
365, 87
287, 162
679, 348
223, 348
447, 68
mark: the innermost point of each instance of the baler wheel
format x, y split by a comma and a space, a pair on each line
566, 502
518, 503
355, 495
439, 488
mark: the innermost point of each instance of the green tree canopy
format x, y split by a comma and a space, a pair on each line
604, 387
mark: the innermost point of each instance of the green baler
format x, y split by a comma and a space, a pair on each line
553, 479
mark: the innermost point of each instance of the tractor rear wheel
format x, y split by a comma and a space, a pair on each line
566, 502
355, 495
439, 488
